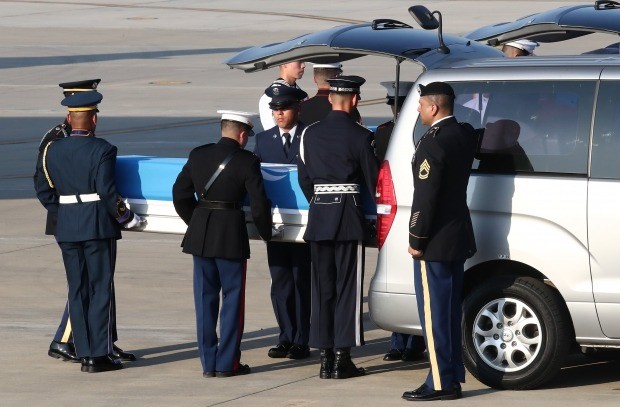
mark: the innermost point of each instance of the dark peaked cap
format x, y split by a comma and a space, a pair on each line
283, 96
82, 101
346, 84
436, 88
69, 88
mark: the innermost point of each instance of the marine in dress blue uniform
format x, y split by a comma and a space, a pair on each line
289, 263
337, 160
218, 239
441, 238
62, 346
78, 185
318, 106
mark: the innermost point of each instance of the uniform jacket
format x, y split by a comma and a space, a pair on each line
81, 165
269, 147
59, 131
382, 139
336, 150
317, 107
440, 223
221, 232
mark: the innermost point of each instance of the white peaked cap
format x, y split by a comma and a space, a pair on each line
403, 88
525, 45
335, 65
237, 116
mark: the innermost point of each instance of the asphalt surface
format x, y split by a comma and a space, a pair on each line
163, 80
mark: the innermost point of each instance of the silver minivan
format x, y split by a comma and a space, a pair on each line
543, 198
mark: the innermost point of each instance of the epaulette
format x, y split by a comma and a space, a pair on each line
56, 132
466, 126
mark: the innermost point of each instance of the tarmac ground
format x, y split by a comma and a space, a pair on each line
162, 81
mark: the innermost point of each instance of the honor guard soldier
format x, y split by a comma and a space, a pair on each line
519, 48
402, 346
318, 106
290, 73
336, 161
384, 131
220, 175
441, 238
62, 345
76, 181
289, 263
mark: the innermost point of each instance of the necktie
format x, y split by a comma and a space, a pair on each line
287, 142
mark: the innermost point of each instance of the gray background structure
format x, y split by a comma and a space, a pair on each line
163, 80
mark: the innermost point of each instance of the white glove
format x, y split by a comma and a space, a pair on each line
277, 230
136, 222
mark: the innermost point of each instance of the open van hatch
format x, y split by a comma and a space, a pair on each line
555, 25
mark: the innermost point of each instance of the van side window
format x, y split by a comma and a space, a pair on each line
606, 137
527, 126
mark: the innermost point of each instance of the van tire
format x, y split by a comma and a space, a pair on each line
545, 339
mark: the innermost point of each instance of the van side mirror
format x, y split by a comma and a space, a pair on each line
427, 21
424, 17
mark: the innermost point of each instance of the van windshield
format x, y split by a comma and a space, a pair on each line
527, 126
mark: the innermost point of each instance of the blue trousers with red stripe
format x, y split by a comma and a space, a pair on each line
438, 287
212, 275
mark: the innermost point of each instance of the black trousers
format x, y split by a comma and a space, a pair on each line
90, 294
289, 266
337, 279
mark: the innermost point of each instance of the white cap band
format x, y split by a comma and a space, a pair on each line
237, 116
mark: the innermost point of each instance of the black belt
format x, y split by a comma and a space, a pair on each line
218, 204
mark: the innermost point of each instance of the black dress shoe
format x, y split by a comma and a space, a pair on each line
64, 351
101, 364
280, 351
208, 374
344, 367
425, 393
409, 355
458, 390
298, 352
243, 369
122, 355
393, 354
327, 363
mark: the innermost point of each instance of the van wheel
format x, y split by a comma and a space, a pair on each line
516, 332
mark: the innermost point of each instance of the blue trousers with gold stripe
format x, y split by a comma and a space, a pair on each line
212, 275
438, 287
64, 332
90, 300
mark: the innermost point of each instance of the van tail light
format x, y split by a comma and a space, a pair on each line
385, 199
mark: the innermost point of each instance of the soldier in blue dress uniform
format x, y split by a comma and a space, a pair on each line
441, 238
336, 161
62, 346
220, 175
76, 181
289, 263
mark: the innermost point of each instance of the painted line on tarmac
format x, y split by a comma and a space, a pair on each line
205, 9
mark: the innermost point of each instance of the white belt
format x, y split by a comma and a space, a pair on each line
69, 199
337, 189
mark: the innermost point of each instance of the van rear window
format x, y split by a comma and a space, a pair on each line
527, 126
